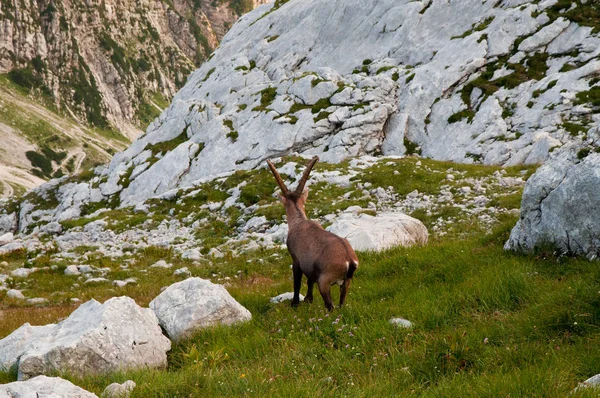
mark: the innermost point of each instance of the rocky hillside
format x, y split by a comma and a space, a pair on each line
493, 82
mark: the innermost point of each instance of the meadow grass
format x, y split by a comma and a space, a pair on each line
486, 323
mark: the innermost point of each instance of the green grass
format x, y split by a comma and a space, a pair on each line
487, 323
587, 14
267, 96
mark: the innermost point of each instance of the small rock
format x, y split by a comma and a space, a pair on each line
401, 323
96, 280
465, 190
161, 264
85, 269
4, 264
15, 294
72, 270
192, 254
216, 253
22, 272
182, 272
116, 390
37, 300
284, 297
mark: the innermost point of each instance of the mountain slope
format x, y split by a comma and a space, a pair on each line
491, 82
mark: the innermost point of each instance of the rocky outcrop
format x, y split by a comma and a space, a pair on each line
366, 232
108, 61
195, 303
560, 206
496, 83
95, 338
43, 386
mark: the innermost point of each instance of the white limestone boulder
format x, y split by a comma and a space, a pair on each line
195, 303
560, 207
366, 232
15, 294
22, 272
6, 238
8, 223
44, 387
401, 323
592, 382
95, 338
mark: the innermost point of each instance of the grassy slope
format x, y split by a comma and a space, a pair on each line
487, 322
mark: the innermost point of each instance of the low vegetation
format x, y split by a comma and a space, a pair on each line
486, 322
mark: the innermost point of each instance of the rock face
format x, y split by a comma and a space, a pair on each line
560, 206
194, 303
365, 232
95, 338
44, 387
470, 81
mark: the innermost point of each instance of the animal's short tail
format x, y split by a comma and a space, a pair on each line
351, 268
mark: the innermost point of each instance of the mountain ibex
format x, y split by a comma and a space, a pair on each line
323, 257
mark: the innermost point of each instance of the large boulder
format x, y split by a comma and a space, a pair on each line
560, 207
366, 232
95, 338
195, 303
44, 387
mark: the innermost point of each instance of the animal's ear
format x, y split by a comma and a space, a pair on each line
282, 198
304, 194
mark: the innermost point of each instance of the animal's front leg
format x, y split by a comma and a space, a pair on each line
297, 283
309, 292
344, 290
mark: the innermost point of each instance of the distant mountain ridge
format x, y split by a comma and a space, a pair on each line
82, 79
107, 61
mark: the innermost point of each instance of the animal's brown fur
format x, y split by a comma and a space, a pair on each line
323, 257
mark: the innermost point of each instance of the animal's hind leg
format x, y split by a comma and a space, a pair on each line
343, 290
325, 290
297, 283
309, 292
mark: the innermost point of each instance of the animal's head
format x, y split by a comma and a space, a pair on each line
298, 196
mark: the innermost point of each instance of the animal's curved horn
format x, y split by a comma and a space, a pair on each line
278, 178
304, 178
